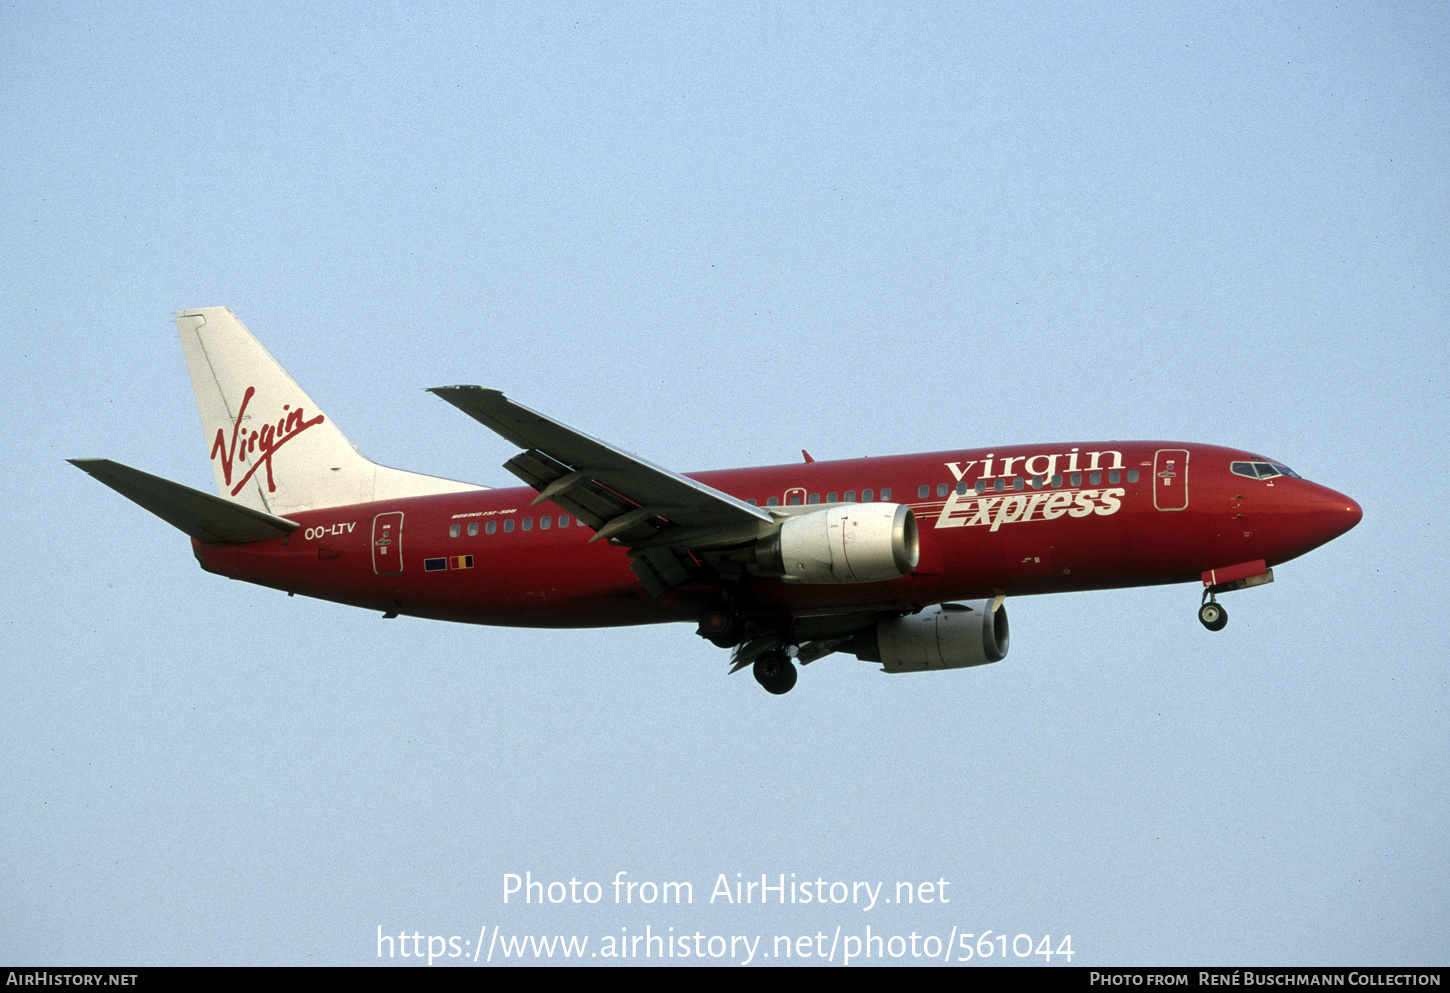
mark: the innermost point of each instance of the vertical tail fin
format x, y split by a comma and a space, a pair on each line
270, 446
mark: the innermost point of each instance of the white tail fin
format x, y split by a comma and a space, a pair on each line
270, 447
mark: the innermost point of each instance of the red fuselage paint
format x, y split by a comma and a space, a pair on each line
1048, 519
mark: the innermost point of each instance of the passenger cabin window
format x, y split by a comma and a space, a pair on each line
544, 523
923, 491
772, 501
563, 520
866, 496
453, 531
850, 496
472, 529
490, 527
813, 498
885, 494
508, 526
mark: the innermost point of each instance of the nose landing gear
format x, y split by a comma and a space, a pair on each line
1225, 580
1211, 614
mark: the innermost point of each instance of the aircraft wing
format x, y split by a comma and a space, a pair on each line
656, 513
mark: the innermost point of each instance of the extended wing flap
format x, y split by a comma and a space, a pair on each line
597, 481
657, 569
203, 516
568, 488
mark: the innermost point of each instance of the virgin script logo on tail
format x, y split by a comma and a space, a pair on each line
266, 440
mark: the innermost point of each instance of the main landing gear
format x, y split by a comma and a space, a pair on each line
776, 672
1211, 614
722, 626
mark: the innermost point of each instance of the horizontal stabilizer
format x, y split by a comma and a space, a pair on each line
203, 516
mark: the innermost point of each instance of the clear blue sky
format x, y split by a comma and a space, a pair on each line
715, 235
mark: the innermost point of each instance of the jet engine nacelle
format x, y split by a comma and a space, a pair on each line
947, 636
852, 543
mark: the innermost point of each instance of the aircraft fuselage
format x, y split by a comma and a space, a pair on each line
1006, 521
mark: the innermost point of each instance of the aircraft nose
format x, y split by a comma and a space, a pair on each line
1307, 515
1353, 514
1334, 513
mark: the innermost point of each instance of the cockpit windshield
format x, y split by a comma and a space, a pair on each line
1262, 470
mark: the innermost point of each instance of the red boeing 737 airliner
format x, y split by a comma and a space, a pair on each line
903, 560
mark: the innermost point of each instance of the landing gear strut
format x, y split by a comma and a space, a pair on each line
776, 672
1211, 614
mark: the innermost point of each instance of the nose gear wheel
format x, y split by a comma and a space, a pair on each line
1211, 614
